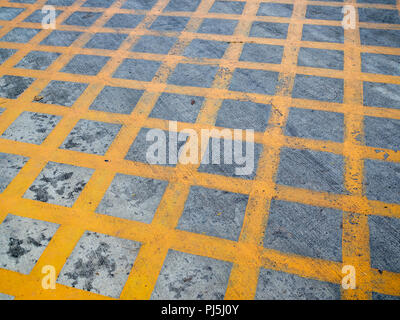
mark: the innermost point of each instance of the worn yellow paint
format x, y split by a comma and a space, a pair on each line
248, 254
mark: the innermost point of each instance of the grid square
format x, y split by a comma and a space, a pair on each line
382, 180
318, 88
133, 198
380, 94
209, 49
122, 20
380, 37
85, 64
5, 54
382, 133
324, 13
166, 23
91, 137
142, 147
321, 58
304, 230
260, 29
384, 239
117, 100
154, 44
61, 3
193, 75
31, 127
137, 69
108, 41
38, 60
255, 81
8, 13
98, 3
228, 7
20, 35
275, 9
82, 18
63, 93
315, 124
37, 16
322, 33
23, 1
215, 213
60, 38
218, 26
378, 15
22, 242
100, 263
186, 276
385, 95
380, 63
278, 285
139, 4
381, 296
4, 297
177, 107
215, 163
392, 96
10, 165
243, 115
264, 53
314, 170
392, 2
11, 87
182, 5
59, 184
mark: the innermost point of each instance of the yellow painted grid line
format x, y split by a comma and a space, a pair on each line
332, 147
244, 278
178, 239
148, 263
116, 9
67, 236
355, 237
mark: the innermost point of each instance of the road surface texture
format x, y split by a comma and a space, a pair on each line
78, 197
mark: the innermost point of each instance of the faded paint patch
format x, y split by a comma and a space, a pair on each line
100, 263
22, 241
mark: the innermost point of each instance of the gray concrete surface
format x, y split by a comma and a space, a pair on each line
213, 212
22, 241
101, 263
63, 93
31, 127
315, 124
91, 137
304, 230
276, 285
133, 198
314, 170
186, 276
59, 184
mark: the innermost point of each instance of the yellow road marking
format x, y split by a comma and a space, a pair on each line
248, 255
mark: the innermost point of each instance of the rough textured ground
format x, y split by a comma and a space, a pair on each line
76, 192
